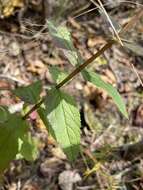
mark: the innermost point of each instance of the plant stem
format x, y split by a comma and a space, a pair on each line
35, 107
85, 64
73, 74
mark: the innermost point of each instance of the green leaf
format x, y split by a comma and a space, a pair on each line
3, 114
64, 121
29, 148
62, 39
57, 74
14, 128
96, 79
29, 94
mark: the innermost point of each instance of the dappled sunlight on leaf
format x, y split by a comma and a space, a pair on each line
63, 120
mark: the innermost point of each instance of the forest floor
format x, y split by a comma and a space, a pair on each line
26, 52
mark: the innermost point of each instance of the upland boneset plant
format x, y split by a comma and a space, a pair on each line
57, 109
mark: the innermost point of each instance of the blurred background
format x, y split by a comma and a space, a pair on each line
112, 146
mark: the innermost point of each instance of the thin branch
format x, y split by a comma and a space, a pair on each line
101, 7
35, 107
106, 4
135, 18
137, 74
12, 78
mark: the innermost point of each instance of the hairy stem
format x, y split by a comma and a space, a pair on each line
73, 74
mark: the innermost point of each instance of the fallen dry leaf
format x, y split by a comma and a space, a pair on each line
92, 42
31, 186
138, 120
58, 153
4, 85
109, 77
37, 67
7, 6
67, 179
74, 24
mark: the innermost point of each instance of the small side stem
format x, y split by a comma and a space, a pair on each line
73, 74
35, 107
